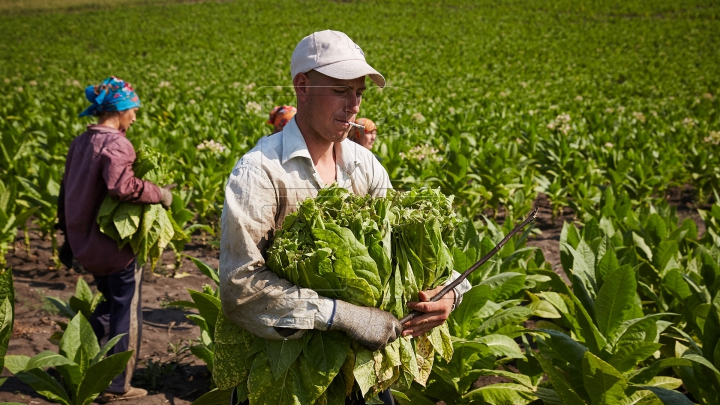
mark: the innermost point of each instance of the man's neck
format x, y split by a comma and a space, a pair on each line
320, 149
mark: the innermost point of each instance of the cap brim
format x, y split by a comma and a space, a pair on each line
351, 69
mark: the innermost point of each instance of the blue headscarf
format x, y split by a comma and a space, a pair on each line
115, 95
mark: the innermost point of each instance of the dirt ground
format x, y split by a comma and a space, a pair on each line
166, 368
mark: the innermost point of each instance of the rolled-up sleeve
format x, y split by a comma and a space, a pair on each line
252, 295
120, 179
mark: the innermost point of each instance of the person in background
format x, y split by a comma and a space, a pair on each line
364, 136
280, 115
99, 163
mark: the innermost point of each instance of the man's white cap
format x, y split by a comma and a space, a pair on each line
333, 54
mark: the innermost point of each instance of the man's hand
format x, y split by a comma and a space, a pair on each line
371, 327
435, 312
167, 196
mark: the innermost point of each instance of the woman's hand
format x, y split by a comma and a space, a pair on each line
435, 312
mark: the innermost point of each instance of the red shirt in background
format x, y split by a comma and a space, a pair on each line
99, 162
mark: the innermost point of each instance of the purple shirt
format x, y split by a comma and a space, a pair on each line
99, 162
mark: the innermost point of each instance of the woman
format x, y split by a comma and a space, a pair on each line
280, 115
364, 136
99, 163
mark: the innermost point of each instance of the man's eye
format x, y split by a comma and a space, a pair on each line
339, 91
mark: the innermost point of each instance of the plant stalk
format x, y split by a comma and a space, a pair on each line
475, 266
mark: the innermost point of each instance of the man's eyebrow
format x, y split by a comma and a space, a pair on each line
363, 88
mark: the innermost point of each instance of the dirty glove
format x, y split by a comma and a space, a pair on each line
167, 196
371, 327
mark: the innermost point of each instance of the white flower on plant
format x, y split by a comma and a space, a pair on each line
553, 107
504, 93
190, 83
164, 84
609, 110
420, 152
191, 101
609, 145
451, 110
198, 88
708, 96
688, 122
713, 138
7, 80
654, 113
579, 98
211, 145
523, 84
621, 110
75, 83
236, 85
19, 89
32, 82
561, 123
253, 106
639, 116
250, 86
418, 117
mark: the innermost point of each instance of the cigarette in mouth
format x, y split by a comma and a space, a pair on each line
355, 125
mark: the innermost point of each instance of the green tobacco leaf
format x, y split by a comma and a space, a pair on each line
282, 353
501, 345
501, 394
109, 345
668, 397
604, 384
47, 359
711, 332
16, 363
79, 342
615, 300
562, 388
628, 356
645, 374
206, 269
99, 376
463, 319
209, 308
505, 321
127, 219
214, 397
6, 326
44, 385
518, 378
564, 346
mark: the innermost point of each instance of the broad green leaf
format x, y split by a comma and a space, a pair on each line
501, 345
604, 384
615, 300
668, 397
206, 269
99, 376
16, 363
282, 353
47, 359
628, 356
79, 342
44, 385
501, 394
214, 397
645, 374
127, 219
518, 378
562, 388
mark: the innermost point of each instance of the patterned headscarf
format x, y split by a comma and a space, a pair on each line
113, 95
280, 115
368, 124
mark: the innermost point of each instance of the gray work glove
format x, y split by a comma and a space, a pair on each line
167, 196
371, 327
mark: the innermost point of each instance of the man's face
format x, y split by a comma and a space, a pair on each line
330, 103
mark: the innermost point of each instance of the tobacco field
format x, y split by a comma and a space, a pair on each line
604, 114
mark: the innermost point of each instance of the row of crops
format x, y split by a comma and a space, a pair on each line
603, 108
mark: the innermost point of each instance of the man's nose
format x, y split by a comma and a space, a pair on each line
352, 104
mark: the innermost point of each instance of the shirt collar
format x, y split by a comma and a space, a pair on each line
103, 129
294, 146
293, 142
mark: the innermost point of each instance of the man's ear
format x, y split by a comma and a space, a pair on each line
301, 82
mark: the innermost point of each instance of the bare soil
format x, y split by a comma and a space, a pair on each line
166, 368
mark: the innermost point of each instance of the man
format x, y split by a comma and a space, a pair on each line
268, 183
99, 163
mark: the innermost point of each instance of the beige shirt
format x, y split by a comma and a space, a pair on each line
266, 185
